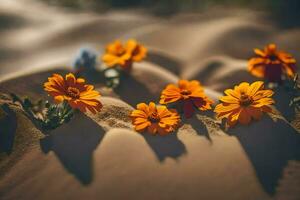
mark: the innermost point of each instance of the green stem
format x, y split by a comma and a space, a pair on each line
67, 111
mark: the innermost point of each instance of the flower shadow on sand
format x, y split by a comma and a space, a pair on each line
166, 61
124, 91
171, 146
269, 146
282, 99
201, 123
165, 146
8, 124
73, 144
133, 86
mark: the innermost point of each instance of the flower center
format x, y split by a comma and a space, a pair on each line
120, 51
153, 117
136, 51
245, 100
73, 92
185, 92
273, 57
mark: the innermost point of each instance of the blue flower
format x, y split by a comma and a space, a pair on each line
85, 59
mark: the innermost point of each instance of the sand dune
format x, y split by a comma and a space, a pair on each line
100, 156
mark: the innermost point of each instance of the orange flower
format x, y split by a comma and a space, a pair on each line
244, 102
138, 51
78, 94
155, 119
124, 56
271, 64
189, 95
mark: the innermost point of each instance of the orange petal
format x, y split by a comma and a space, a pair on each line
143, 107
183, 84
142, 127
259, 52
71, 80
140, 120
152, 107
58, 99
162, 131
255, 113
138, 113
153, 128
244, 117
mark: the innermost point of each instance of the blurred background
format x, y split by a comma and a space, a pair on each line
40, 34
287, 12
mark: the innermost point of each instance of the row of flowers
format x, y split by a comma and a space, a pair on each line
243, 103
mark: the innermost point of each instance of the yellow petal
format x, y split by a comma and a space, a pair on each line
243, 87
229, 99
233, 93
254, 87
225, 108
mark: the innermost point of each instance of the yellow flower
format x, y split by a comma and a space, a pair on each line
124, 55
154, 119
271, 64
188, 94
78, 94
245, 102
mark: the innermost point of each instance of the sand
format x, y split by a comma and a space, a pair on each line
101, 156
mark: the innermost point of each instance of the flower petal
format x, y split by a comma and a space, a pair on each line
142, 126
229, 99
70, 79
254, 87
244, 117
225, 108
232, 93
243, 87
